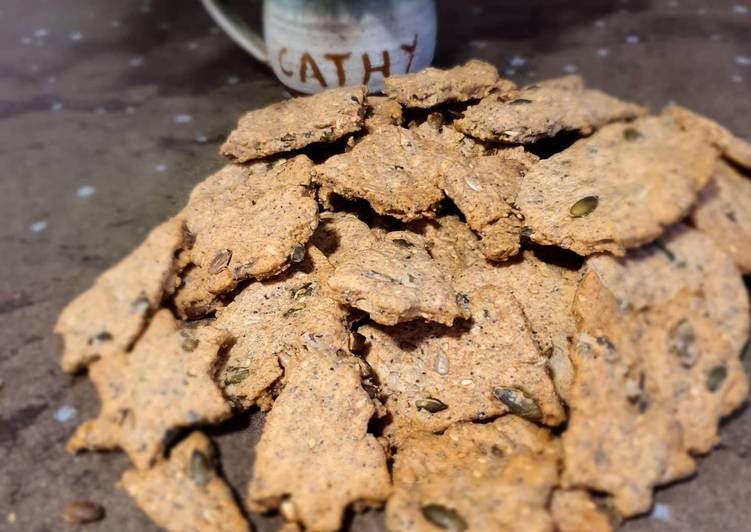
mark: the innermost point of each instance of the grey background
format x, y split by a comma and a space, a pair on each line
133, 99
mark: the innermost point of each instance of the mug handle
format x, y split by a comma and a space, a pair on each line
237, 29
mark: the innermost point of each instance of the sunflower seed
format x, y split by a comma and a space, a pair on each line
430, 404
235, 375
584, 206
444, 518
441, 364
189, 344
518, 403
82, 512
200, 468
220, 261
402, 243
683, 343
631, 134
716, 377
101, 337
298, 254
520, 101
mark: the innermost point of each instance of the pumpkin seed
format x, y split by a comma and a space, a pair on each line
235, 375
298, 254
140, 304
101, 337
200, 468
527, 231
584, 206
402, 243
631, 134
716, 377
518, 403
189, 344
304, 291
82, 512
431, 405
220, 261
444, 518
682, 341
520, 101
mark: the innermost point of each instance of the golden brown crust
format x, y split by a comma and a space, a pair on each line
574, 511
382, 111
296, 123
185, 493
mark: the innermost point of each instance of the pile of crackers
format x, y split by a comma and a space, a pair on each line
479, 306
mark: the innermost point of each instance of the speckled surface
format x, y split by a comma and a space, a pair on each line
111, 111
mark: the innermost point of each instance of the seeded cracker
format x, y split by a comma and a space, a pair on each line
434, 376
544, 110
436, 130
432, 86
258, 231
574, 511
620, 438
485, 189
164, 384
724, 213
109, 316
382, 111
683, 259
296, 123
546, 293
315, 456
733, 148
496, 477
184, 493
616, 189
275, 321
396, 280
341, 236
394, 169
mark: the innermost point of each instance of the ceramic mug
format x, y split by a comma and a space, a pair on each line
313, 45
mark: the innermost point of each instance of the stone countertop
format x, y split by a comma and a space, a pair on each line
110, 112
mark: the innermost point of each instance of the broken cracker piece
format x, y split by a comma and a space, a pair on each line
185, 493
733, 148
433, 376
258, 231
544, 110
495, 476
682, 259
315, 456
724, 213
164, 384
485, 189
620, 439
341, 235
108, 317
396, 280
394, 169
618, 188
296, 123
432, 86
381, 112
275, 321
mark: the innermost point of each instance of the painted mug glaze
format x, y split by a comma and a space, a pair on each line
312, 45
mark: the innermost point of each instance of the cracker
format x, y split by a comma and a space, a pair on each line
296, 123
485, 190
395, 280
185, 493
435, 129
164, 384
475, 370
451, 244
480, 477
724, 213
575, 511
382, 111
698, 373
258, 230
546, 293
394, 169
432, 86
340, 235
108, 317
315, 455
616, 189
683, 259
619, 440
733, 148
542, 111
277, 320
